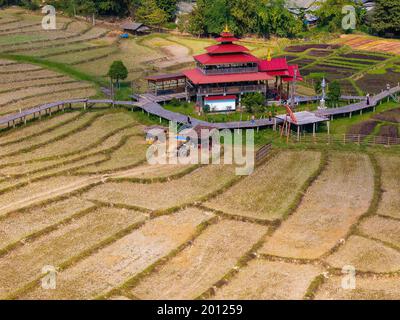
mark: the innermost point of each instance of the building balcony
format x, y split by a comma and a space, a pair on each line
232, 89
211, 72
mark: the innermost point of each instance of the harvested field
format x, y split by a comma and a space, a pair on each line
12, 86
267, 280
15, 68
373, 83
391, 132
131, 153
27, 173
36, 128
364, 128
78, 93
84, 56
192, 187
21, 224
38, 192
59, 246
366, 255
74, 160
22, 94
49, 137
358, 64
147, 171
270, 191
363, 56
28, 76
389, 116
390, 202
82, 140
384, 229
331, 72
111, 266
303, 62
368, 43
198, 267
347, 88
366, 289
320, 53
330, 207
302, 48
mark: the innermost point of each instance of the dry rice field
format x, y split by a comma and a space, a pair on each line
77, 193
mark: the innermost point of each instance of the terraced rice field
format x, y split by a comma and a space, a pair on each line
24, 86
76, 192
136, 233
269, 193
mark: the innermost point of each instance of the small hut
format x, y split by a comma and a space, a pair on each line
136, 28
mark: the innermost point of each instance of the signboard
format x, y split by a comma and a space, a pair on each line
221, 103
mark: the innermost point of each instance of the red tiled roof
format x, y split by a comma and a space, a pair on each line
274, 65
197, 77
225, 59
227, 37
281, 73
226, 48
216, 98
291, 70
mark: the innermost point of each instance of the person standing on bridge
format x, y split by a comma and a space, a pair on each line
189, 121
368, 99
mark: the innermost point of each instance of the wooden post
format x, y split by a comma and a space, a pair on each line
298, 133
328, 124
314, 127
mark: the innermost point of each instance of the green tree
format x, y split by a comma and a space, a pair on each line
334, 93
118, 72
151, 14
169, 7
254, 102
385, 17
330, 13
197, 21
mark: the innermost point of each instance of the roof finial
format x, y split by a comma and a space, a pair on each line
269, 55
226, 30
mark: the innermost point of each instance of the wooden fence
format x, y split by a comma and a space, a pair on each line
262, 153
343, 139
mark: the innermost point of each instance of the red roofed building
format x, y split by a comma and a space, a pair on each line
228, 69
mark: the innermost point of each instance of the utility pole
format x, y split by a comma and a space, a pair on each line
293, 93
322, 102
